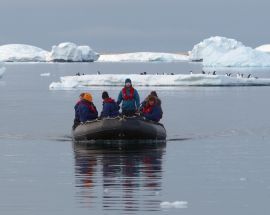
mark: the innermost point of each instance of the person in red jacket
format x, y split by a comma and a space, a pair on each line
86, 109
152, 110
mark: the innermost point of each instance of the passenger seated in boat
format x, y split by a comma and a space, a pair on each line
130, 99
86, 109
77, 117
152, 111
153, 93
110, 107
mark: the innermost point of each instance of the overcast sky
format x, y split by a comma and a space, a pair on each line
138, 25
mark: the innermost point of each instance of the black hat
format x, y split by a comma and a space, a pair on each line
105, 95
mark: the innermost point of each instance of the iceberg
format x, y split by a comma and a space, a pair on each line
264, 48
22, 53
143, 57
70, 52
225, 52
78, 82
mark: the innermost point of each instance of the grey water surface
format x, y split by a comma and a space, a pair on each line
216, 158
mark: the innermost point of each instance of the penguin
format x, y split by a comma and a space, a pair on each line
172, 73
249, 75
98, 72
203, 72
191, 72
144, 73
214, 73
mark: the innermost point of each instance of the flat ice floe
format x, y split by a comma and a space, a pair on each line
225, 52
22, 53
176, 204
77, 82
45, 74
143, 57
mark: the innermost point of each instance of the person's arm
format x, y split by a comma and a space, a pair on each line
120, 98
137, 99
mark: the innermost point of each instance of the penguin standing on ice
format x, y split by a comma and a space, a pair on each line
203, 72
249, 75
98, 72
214, 73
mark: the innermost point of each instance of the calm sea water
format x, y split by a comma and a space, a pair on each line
221, 166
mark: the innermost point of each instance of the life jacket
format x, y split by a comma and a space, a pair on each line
148, 108
109, 100
131, 93
90, 106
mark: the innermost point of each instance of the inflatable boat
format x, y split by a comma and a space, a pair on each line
119, 128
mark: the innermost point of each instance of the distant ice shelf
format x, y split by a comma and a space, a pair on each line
143, 57
77, 82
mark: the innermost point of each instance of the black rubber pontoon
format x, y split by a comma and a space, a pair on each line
120, 128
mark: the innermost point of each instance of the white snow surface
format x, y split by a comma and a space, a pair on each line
22, 53
143, 57
77, 82
71, 52
176, 204
224, 52
264, 48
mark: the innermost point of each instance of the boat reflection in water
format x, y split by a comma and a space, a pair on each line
122, 176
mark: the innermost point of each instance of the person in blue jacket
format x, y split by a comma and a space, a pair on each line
152, 110
86, 109
77, 117
110, 107
130, 99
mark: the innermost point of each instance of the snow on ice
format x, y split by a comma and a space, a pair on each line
264, 48
77, 82
22, 53
225, 52
143, 57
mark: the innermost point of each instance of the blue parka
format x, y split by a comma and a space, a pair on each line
87, 111
110, 108
155, 114
129, 104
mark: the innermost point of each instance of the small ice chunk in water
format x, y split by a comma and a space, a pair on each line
176, 204
45, 74
106, 190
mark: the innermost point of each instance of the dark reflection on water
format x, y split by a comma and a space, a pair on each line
118, 177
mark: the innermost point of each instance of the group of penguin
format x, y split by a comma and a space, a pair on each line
238, 75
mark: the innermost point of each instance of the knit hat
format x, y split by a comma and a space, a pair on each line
127, 81
88, 97
105, 95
